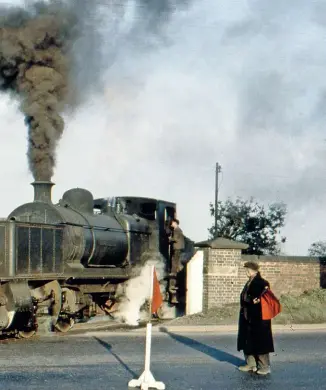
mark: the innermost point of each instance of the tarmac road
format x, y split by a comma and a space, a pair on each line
104, 360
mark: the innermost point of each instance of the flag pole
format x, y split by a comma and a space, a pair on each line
151, 293
147, 380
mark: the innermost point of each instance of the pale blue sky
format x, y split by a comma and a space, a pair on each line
238, 82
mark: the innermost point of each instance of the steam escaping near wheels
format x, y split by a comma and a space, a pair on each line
132, 296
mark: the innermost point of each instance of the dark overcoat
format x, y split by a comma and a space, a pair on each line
178, 239
255, 335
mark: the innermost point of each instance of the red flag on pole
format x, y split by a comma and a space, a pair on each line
157, 296
147, 380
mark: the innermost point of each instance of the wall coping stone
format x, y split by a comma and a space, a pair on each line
291, 259
221, 243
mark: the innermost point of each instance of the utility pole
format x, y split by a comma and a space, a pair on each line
217, 171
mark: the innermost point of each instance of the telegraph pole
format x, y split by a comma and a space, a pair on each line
217, 171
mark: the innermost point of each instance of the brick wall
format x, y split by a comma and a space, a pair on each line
221, 276
291, 274
224, 275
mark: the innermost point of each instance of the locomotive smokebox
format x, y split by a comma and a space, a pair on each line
42, 191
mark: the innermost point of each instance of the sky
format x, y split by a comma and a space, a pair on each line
167, 95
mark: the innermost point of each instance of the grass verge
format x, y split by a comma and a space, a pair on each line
306, 308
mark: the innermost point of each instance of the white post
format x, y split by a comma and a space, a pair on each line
146, 380
151, 292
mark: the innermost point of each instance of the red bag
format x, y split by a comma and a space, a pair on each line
270, 305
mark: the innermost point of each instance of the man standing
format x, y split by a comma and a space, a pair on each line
178, 245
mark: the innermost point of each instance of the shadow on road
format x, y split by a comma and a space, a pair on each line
108, 347
216, 354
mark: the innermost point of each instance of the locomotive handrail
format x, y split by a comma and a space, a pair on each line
100, 228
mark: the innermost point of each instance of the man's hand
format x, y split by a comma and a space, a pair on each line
256, 300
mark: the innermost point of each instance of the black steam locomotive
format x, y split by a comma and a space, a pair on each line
64, 262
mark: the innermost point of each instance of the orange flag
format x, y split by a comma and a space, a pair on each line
157, 296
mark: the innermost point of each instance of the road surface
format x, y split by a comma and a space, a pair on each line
182, 361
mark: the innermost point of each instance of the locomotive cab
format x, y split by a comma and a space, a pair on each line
158, 213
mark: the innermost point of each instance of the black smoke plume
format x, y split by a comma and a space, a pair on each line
34, 65
50, 58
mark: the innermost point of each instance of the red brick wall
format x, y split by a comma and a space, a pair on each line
224, 275
291, 274
221, 282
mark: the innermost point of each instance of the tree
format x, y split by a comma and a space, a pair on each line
317, 249
251, 223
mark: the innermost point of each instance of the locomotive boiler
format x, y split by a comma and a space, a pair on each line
62, 262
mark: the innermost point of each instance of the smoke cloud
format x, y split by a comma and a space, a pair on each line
241, 83
34, 65
36, 49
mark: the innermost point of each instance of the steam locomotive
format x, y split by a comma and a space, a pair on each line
60, 263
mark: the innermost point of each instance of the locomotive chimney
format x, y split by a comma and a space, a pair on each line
42, 191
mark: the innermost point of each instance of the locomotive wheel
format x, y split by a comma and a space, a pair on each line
26, 334
63, 325
68, 302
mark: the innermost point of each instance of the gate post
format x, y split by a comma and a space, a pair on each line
221, 281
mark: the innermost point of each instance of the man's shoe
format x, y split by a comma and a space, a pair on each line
247, 368
264, 371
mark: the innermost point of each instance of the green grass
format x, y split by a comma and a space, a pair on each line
306, 308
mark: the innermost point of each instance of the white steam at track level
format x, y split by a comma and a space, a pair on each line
136, 292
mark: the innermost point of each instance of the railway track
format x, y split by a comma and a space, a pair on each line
101, 324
